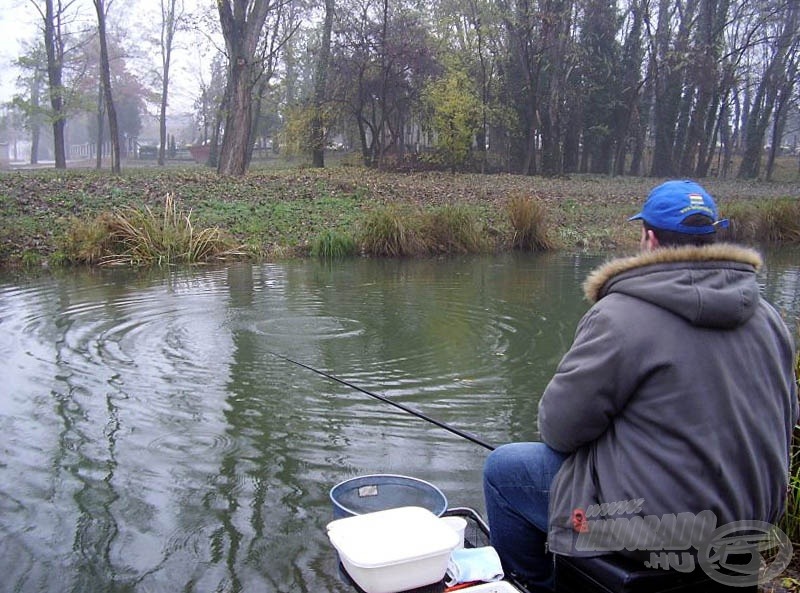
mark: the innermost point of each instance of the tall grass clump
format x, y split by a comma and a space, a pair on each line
141, 237
333, 244
453, 229
780, 221
86, 241
767, 222
529, 223
790, 524
388, 232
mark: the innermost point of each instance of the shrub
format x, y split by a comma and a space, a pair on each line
529, 222
332, 244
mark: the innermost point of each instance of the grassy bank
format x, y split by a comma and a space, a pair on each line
294, 212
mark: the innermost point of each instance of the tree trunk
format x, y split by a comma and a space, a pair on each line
105, 75
766, 98
778, 79
705, 79
554, 72
242, 22
258, 101
238, 123
524, 66
36, 129
572, 138
35, 135
101, 113
320, 82
626, 111
781, 113
670, 68
55, 64
216, 134
717, 126
169, 23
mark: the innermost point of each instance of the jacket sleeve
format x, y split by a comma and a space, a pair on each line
591, 385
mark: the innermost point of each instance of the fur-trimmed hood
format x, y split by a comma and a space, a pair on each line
713, 285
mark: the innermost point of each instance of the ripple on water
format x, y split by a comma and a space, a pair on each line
192, 541
180, 445
309, 328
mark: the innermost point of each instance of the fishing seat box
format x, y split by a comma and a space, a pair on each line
615, 573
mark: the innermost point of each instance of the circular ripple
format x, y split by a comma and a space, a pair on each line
180, 445
310, 328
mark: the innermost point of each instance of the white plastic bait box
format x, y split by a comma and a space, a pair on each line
394, 550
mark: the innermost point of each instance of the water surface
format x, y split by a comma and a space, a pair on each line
154, 439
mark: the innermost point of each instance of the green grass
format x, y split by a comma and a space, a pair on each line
270, 219
333, 244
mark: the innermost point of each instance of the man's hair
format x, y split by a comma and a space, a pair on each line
676, 239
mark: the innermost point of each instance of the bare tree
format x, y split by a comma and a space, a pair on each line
782, 102
384, 57
33, 64
767, 98
101, 6
53, 14
670, 48
172, 12
281, 25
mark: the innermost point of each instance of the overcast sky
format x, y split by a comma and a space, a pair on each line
19, 22
16, 25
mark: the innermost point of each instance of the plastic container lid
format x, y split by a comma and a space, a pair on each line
392, 536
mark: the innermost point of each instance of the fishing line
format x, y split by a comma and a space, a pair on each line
405, 408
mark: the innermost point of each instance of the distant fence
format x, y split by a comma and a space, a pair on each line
88, 150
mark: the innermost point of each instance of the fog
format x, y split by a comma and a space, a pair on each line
20, 23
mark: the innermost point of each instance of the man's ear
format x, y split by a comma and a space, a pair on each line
649, 240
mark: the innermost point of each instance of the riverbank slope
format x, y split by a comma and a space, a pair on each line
279, 212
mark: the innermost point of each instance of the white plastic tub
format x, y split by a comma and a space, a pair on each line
457, 524
393, 550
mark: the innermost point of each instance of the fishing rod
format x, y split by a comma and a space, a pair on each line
405, 408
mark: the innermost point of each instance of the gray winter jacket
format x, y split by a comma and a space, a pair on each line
677, 396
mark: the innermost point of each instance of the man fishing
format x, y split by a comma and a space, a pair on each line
677, 399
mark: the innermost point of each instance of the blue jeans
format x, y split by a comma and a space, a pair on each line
516, 486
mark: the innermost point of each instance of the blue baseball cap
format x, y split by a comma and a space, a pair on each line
670, 203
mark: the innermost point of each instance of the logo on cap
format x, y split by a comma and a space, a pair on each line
698, 203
